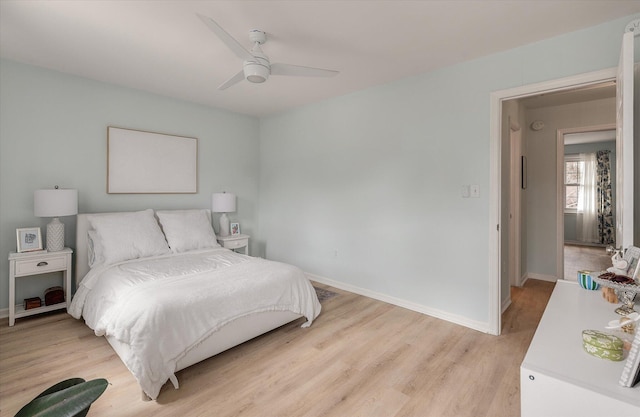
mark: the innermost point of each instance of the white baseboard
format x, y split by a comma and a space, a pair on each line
541, 277
580, 243
505, 304
439, 314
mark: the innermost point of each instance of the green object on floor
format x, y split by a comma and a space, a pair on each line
69, 398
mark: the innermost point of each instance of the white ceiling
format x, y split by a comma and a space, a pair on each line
162, 47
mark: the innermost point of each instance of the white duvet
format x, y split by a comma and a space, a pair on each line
164, 306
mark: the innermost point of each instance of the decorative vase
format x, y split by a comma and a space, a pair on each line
586, 282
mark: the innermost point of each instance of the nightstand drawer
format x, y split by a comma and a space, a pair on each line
235, 244
39, 266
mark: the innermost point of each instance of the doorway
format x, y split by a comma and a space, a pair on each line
624, 74
586, 230
536, 212
500, 169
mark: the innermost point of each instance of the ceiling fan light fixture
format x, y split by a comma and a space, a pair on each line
256, 73
256, 79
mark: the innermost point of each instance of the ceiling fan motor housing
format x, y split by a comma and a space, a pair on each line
257, 71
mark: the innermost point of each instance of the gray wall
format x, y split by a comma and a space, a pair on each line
53, 131
375, 176
363, 189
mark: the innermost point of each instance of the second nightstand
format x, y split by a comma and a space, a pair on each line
235, 242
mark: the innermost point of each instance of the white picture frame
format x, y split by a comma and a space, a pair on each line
235, 229
632, 256
631, 371
29, 239
141, 162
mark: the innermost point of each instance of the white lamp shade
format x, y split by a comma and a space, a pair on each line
223, 203
55, 203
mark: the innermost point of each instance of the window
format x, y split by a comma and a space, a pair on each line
573, 182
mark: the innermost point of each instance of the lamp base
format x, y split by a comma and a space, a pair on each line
55, 235
224, 225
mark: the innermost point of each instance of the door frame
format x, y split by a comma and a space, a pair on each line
495, 171
515, 197
560, 187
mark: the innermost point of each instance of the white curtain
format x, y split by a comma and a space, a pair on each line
587, 230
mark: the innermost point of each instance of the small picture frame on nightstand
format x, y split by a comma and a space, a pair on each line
29, 239
235, 229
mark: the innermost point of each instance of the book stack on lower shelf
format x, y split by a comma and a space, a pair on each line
33, 302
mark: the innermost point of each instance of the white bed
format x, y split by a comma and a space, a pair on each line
229, 270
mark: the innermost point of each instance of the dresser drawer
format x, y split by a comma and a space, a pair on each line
39, 266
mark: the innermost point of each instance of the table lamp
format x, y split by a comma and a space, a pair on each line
223, 203
55, 203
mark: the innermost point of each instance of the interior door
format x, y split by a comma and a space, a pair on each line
624, 144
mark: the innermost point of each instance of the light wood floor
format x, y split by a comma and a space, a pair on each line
361, 357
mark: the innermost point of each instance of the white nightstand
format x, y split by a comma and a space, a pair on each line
235, 242
34, 263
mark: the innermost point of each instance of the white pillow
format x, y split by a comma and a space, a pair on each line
124, 236
187, 229
95, 250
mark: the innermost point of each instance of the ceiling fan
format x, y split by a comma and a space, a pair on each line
257, 67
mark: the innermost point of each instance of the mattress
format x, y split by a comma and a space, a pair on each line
165, 306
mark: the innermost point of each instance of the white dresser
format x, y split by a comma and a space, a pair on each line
557, 378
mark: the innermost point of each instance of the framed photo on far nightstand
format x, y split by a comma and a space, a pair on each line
29, 239
235, 229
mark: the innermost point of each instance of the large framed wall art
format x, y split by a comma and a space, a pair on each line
140, 162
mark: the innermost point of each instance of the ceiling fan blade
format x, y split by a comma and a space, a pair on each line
297, 70
228, 40
233, 80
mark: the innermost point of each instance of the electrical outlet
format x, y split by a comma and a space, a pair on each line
465, 191
475, 190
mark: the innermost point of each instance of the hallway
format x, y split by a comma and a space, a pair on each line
578, 258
